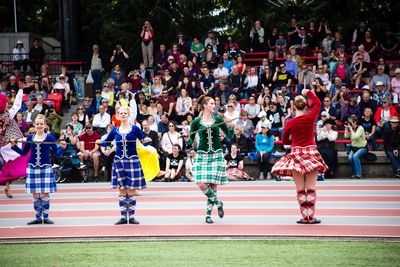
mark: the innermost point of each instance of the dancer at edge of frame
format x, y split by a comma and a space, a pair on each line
208, 166
304, 161
127, 173
40, 180
14, 165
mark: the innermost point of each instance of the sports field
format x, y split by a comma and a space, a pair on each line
203, 253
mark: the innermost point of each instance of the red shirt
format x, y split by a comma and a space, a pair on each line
299, 131
90, 140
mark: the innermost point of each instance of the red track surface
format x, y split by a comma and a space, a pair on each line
167, 201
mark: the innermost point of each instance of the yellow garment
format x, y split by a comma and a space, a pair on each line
123, 102
148, 157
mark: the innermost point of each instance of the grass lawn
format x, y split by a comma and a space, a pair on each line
203, 253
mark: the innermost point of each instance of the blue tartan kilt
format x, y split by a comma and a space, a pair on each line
40, 179
127, 173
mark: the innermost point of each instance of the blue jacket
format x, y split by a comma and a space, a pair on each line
264, 143
40, 153
124, 151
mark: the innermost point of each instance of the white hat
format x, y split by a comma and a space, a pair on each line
266, 124
325, 113
379, 83
12, 77
262, 114
170, 57
396, 71
366, 87
19, 42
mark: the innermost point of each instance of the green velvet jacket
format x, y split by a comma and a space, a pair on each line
209, 138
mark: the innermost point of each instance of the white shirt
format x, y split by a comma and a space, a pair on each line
101, 121
221, 72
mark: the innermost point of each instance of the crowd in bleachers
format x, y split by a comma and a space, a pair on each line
357, 80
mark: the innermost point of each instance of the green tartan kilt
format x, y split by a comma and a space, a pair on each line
209, 168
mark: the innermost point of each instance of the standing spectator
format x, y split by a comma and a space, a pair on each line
359, 33
183, 46
257, 37
36, 56
391, 142
264, 147
96, 68
119, 56
210, 56
355, 132
293, 32
147, 36
20, 56
272, 37
234, 165
326, 138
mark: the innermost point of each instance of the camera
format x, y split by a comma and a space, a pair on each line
118, 48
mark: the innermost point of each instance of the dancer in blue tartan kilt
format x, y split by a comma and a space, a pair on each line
127, 174
40, 180
208, 166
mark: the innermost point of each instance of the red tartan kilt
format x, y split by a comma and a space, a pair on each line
304, 160
234, 172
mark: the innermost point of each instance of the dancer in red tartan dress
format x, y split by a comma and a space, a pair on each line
304, 161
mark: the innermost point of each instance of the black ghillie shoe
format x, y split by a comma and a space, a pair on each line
221, 212
122, 221
35, 221
302, 221
133, 221
48, 221
208, 220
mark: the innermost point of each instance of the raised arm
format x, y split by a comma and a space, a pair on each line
316, 107
17, 104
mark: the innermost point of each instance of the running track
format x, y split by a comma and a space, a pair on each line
367, 208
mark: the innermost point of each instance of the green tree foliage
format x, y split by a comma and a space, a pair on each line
114, 22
